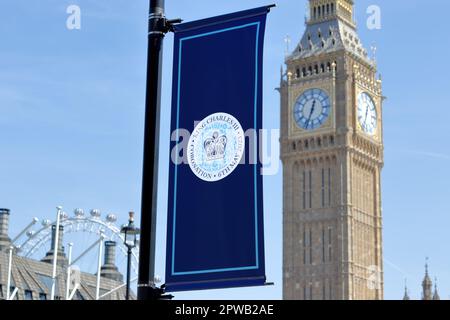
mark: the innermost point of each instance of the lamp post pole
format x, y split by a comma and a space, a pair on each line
130, 233
128, 274
158, 26
156, 32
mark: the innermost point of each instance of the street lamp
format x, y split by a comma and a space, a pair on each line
130, 240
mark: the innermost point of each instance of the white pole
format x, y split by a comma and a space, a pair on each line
13, 295
69, 270
81, 255
77, 286
85, 252
8, 289
99, 266
55, 253
21, 233
117, 288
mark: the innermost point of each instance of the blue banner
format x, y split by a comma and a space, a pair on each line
215, 232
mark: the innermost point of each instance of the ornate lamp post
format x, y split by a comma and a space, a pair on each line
130, 240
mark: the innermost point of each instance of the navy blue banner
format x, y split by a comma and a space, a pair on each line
215, 227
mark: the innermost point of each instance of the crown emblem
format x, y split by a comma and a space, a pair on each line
215, 147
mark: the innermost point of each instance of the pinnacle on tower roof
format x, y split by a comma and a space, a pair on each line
436, 293
427, 285
406, 295
427, 278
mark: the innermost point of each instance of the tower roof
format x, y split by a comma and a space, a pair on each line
329, 30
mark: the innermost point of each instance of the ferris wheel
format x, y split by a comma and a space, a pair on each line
82, 232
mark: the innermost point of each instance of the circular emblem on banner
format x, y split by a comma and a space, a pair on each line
216, 146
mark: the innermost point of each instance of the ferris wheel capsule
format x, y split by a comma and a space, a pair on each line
64, 215
79, 213
111, 218
46, 222
95, 213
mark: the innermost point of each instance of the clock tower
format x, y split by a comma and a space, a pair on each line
332, 154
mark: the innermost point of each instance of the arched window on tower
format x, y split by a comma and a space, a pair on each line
322, 68
310, 70
328, 9
318, 12
304, 72
316, 69
315, 13
332, 8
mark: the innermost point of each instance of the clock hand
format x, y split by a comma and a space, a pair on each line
311, 113
367, 112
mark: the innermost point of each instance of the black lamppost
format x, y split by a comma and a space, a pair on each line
130, 240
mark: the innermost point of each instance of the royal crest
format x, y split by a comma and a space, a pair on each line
215, 147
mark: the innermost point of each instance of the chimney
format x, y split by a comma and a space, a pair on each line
109, 269
5, 241
61, 255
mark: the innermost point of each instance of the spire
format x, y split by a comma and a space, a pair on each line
427, 285
436, 293
406, 296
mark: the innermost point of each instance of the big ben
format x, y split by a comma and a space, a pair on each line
332, 153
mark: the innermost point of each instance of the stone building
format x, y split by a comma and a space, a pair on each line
33, 278
332, 154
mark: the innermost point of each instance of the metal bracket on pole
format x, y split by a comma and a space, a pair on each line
170, 23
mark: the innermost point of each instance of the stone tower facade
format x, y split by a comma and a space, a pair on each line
332, 154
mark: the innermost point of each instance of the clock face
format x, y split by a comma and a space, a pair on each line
367, 113
312, 109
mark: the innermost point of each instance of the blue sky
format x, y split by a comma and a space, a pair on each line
72, 106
